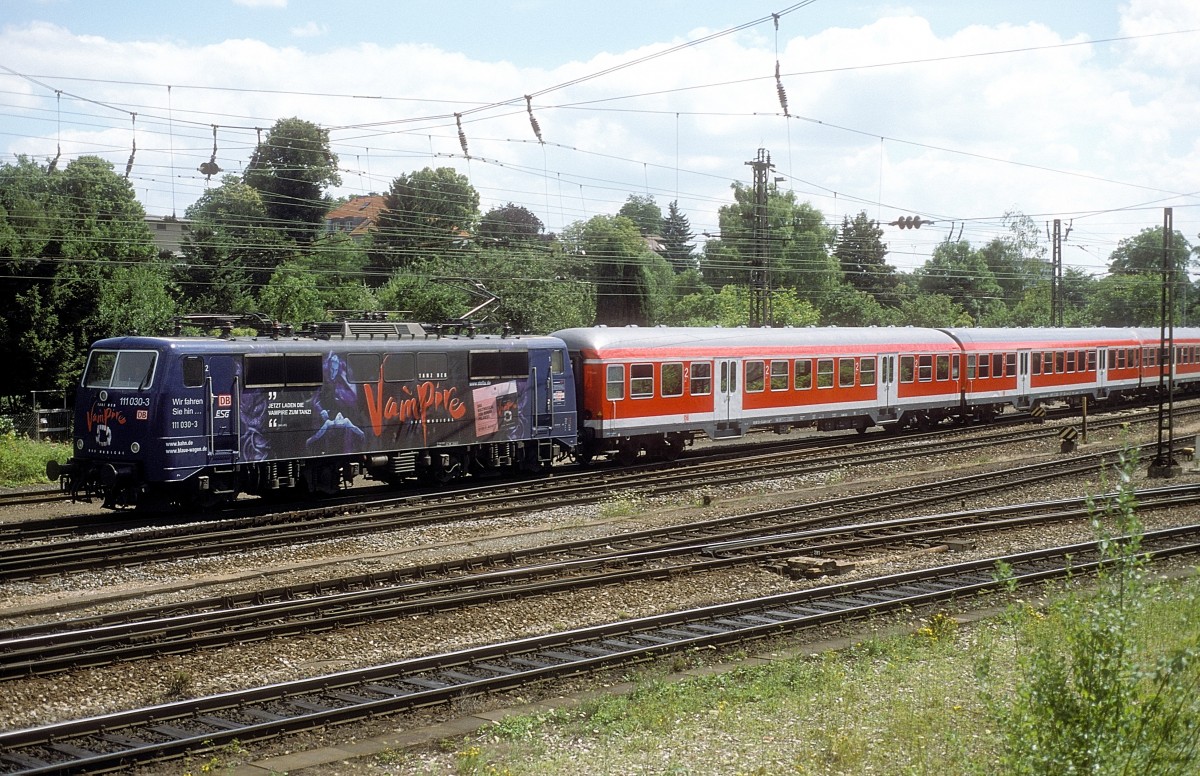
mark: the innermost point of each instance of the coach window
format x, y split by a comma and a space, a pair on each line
985, 367
997, 365
1119, 359
803, 376
193, 371
825, 373
1070, 360
701, 378
1035, 363
363, 367
641, 381
399, 367
943, 367
779, 375
615, 382
971, 366
845, 373
1091, 361
866, 371
1010, 364
907, 370
755, 381
672, 379
432, 366
925, 369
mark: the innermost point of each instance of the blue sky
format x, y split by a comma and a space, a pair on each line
1059, 127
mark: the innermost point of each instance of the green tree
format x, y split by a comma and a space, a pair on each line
1142, 254
625, 272
1017, 260
861, 254
428, 213
509, 225
644, 212
71, 230
1126, 300
231, 243
677, 239
795, 250
957, 271
291, 168
137, 298
292, 296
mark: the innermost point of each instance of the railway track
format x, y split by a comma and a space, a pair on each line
115, 741
189, 539
214, 623
21, 498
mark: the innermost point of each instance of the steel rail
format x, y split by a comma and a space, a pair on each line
117, 740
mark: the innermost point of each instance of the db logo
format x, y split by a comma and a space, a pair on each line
143, 415
224, 400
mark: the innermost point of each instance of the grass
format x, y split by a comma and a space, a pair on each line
23, 461
938, 701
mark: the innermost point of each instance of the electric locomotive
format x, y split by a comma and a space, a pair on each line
199, 420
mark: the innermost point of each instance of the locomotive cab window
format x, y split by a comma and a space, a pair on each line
557, 362
120, 369
641, 381
614, 382
672, 379
193, 371
701, 378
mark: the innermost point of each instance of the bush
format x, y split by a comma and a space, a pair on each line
1095, 694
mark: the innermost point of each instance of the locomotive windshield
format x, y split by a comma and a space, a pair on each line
120, 369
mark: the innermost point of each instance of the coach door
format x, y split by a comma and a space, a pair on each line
887, 383
1023, 383
728, 408
224, 417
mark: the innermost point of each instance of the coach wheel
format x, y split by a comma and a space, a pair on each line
671, 448
627, 454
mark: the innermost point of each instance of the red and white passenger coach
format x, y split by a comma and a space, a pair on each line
654, 389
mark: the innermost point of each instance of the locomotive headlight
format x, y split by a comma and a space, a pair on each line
79, 444
135, 448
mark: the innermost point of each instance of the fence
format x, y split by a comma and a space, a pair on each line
30, 419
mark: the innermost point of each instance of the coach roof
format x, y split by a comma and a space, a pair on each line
605, 340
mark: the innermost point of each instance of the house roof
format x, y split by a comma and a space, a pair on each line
363, 211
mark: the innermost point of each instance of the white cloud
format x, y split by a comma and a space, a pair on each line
309, 30
1052, 131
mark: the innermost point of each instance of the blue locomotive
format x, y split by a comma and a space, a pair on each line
198, 420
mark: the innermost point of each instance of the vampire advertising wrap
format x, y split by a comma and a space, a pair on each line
359, 413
